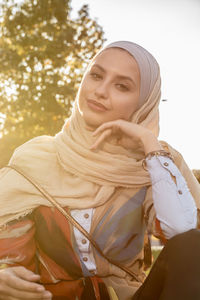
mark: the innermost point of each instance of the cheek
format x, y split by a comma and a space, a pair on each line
86, 87
82, 91
125, 108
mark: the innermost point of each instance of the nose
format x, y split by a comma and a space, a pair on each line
101, 90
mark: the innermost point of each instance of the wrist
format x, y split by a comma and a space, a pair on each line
150, 142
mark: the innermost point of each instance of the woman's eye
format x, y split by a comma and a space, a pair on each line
95, 76
122, 87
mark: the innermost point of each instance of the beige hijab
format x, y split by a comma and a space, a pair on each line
113, 165
64, 165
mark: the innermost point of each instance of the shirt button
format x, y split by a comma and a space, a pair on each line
166, 164
180, 192
84, 241
86, 216
85, 259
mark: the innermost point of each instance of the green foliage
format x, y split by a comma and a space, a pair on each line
43, 53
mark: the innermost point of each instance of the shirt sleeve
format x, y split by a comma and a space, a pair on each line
174, 205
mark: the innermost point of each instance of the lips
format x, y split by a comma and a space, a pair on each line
94, 105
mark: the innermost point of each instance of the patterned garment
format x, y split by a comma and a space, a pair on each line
44, 243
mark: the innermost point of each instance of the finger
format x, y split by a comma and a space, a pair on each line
11, 278
24, 285
16, 294
103, 136
3, 297
26, 274
103, 127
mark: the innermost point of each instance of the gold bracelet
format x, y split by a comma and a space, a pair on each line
159, 153
155, 153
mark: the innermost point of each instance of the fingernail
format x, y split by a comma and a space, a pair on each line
47, 294
40, 288
35, 275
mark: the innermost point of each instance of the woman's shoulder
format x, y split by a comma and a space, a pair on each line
39, 147
177, 156
39, 141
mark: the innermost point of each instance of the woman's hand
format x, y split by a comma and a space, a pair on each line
17, 283
129, 135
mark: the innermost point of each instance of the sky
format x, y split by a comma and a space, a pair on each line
170, 30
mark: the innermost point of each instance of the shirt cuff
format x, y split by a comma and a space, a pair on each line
159, 168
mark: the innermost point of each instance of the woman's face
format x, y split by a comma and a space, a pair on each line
110, 88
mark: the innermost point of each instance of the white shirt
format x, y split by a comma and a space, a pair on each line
84, 217
174, 205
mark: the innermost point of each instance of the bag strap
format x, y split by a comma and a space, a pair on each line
71, 220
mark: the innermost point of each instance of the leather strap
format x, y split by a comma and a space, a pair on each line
71, 220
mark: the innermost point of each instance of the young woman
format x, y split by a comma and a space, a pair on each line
108, 170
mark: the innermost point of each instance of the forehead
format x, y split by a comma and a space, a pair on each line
117, 60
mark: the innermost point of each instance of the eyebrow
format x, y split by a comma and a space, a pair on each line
118, 76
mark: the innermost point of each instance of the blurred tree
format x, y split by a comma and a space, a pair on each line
43, 53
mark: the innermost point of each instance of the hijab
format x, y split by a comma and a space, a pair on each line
73, 143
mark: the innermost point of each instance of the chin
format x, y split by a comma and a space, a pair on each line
92, 121
91, 118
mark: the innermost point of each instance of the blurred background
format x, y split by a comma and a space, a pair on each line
45, 46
